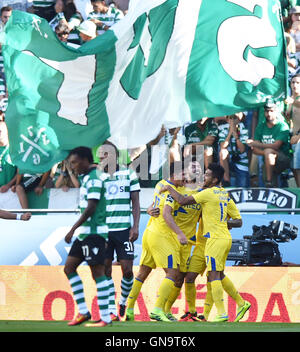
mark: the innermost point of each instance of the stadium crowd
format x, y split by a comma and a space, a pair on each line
256, 148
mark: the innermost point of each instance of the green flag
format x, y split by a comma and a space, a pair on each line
167, 62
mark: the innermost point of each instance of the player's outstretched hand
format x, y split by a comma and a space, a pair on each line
25, 216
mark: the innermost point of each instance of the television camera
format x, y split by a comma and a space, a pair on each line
261, 248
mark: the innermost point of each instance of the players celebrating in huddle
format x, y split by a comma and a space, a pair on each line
187, 233
213, 241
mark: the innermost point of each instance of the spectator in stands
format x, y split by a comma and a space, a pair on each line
294, 28
67, 14
3, 106
203, 132
233, 151
175, 144
271, 140
7, 169
84, 7
286, 5
87, 31
3, 93
43, 8
291, 55
293, 117
104, 16
67, 177
6, 12
29, 182
2, 112
62, 31
11, 216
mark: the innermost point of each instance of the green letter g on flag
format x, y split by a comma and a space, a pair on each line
152, 35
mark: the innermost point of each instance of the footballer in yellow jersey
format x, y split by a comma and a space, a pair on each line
217, 209
160, 246
218, 212
197, 262
187, 217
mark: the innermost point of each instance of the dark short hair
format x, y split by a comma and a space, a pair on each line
61, 29
5, 8
113, 146
217, 171
82, 153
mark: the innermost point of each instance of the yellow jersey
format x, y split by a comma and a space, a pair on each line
200, 230
217, 208
158, 224
187, 216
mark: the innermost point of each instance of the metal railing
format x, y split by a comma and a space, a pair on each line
143, 210
43, 210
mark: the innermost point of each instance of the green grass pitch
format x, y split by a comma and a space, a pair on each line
153, 327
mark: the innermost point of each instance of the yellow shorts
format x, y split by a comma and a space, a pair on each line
159, 250
185, 253
216, 252
197, 263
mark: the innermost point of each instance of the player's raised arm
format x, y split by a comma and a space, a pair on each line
181, 199
168, 217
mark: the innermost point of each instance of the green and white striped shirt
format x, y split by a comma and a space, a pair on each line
118, 203
92, 187
109, 18
43, 3
243, 163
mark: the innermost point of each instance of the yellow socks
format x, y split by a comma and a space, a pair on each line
135, 290
230, 289
208, 303
190, 296
217, 295
164, 292
172, 298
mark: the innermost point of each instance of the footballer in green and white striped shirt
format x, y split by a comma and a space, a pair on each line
118, 198
90, 245
122, 193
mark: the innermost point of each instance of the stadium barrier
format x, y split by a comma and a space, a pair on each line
33, 285
43, 293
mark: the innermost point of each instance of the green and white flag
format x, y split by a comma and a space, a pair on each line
167, 62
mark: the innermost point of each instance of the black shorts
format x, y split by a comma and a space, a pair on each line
45, 12
29, 183
91, 249
119, 241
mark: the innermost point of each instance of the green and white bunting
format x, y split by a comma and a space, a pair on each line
166, 62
